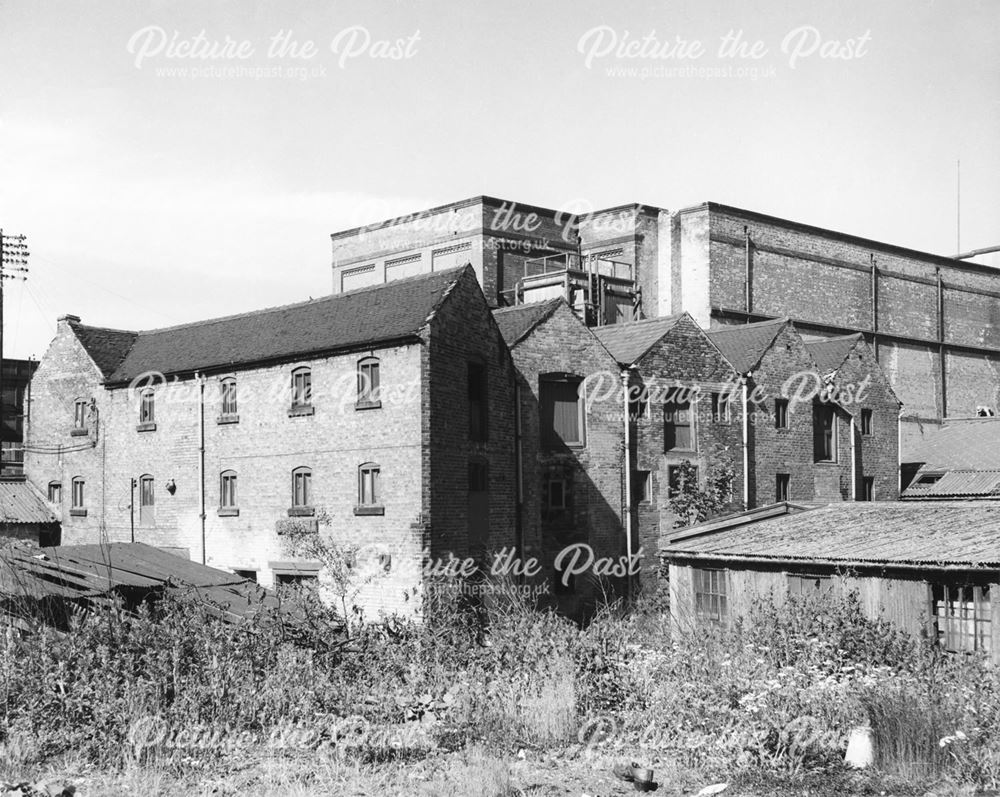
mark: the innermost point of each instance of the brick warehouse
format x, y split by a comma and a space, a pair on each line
570, 443
932, 322
265, 418
801, 449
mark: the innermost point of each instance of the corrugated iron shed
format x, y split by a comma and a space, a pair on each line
955, 484
946, 533
22, 502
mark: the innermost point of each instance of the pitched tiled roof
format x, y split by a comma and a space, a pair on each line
830, 354
394, 311
22, 502
928, 533
106, 347
516, 322
744, 344
967, 444
629, 341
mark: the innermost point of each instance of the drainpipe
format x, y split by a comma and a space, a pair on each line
518, 475
746, 443
201, 459
854, 463
899, 453
628, 482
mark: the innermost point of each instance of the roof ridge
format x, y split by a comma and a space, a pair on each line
302, 303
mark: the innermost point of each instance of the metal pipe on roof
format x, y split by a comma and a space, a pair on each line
974, 252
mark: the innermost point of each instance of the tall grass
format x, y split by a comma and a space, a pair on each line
776, 695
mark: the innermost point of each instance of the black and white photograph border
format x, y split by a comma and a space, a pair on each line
422, 398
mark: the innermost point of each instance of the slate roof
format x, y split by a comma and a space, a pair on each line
396, 310
967, 444
628, 342
964, 533
106, 347
22, 502
830, 354
517, 322
744, 344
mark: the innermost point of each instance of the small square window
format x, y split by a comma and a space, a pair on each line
642, 487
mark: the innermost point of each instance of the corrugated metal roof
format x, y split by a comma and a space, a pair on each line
927, 533
629, 341
22, 502
955, 483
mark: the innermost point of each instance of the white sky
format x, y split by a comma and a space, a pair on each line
152, 199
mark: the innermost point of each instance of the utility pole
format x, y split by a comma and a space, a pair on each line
13, 258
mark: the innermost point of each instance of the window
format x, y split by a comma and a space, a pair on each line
556, 494
642, 488
227, 494
147, 410
561, 410
781, 413
55, 492
291, 583
781, 482
77, 507
676, 479
477, 401
710, 599
81, 411
369, 490
962, 617
369, 395
302, 390
867, 488
866, 422
229, 406
677, 423
301, 492
146, 502
638, 405
824, 433
808, 585
249, 575
721, 412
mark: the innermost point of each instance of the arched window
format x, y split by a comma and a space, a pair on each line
147, 408
81, 414
227, 489
369, 395
369, 488
302, 387
146, 501
302, 488
77, 507
227, 388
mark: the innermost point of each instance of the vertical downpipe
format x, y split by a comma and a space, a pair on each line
518, 475
854, 464
746, 444
748, 267
941, 353
201, 460
628, 483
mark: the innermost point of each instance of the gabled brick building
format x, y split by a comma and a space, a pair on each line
683, 408
570, 443
822, 419
387, 411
